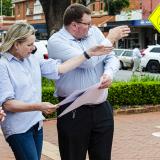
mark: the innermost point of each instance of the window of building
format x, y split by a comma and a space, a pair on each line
37, 7
93, 7
130, 41
101, 6
27, 8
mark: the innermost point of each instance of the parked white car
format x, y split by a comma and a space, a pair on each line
41, 51
125, 57
151, 60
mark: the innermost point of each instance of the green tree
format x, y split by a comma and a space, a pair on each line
6, 7
115, 6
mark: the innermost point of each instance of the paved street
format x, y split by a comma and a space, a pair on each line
125, 75
133, 139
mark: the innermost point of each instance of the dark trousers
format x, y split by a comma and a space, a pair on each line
88, 128
28, 145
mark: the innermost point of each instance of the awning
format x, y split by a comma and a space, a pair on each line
42, 28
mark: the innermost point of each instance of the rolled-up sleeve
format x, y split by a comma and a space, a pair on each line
58, 49
6, 88
49, 68
111, 65
63, 46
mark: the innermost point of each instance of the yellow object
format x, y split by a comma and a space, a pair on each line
154, 18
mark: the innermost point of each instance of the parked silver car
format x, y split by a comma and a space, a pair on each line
125, 57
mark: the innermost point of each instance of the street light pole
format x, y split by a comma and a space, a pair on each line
108, 6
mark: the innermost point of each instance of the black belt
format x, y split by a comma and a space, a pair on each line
61, 98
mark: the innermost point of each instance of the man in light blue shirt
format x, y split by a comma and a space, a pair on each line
90, 127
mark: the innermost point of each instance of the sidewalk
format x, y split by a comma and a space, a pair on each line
133, 139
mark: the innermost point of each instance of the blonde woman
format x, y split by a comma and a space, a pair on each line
20, 89
2, 114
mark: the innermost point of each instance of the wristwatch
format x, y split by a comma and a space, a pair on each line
86, 55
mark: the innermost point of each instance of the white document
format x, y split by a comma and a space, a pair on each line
91, 95
72, 97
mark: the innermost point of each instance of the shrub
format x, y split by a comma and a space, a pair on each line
122, 93
134, 93
139, 91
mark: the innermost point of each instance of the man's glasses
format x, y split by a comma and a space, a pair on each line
87, 24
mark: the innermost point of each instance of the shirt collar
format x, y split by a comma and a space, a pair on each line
69, 36
9, 56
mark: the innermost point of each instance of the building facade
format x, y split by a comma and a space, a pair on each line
31, 11
136, 17
5, 22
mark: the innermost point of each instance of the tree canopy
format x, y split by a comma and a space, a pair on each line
115, 6
6, 7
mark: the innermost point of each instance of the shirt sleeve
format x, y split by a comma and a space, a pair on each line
101, 39
49, 68
6, 87
64, 51
60, 48
112, 65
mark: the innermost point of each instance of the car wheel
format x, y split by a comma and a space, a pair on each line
153, 66
121, 65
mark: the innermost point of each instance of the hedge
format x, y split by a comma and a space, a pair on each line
134, 93
122, 93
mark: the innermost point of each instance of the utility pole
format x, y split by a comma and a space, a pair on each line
108, 6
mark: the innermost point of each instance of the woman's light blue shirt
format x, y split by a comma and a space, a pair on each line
21, 80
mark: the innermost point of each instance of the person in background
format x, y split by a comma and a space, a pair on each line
136, 60
2, 115
20, 89
89, 127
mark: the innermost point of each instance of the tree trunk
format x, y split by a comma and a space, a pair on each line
54, 10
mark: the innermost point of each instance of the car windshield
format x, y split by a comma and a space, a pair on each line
118, 52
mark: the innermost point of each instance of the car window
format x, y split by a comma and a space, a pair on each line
128, 53
157, 50
118, 52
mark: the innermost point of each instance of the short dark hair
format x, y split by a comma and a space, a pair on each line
75, 13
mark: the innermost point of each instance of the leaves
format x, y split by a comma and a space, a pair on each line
6, 7
115, 6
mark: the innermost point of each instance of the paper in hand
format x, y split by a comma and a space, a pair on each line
91, 95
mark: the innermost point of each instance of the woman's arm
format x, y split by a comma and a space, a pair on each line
76, 61
20, 106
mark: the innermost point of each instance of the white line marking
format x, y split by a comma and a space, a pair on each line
156, 134
157, 126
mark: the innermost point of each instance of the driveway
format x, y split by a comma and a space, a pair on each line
136, 137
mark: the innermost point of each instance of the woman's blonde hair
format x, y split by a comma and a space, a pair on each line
18, 32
